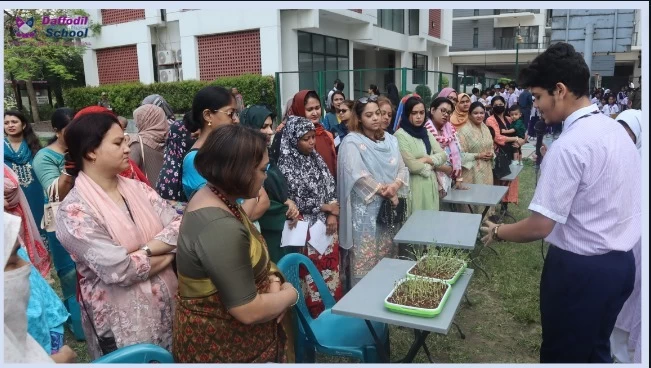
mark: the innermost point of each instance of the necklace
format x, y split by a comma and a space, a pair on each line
234, 208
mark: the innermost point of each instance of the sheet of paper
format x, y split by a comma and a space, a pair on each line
337, 141
318, 238
294, 237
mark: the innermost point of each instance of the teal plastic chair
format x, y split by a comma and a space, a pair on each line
329, 333
137, 354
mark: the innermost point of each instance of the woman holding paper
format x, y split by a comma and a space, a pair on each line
312, 188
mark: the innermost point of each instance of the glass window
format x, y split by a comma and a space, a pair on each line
331, 45
419, 75
476, 12
475, 38
318, 44
414, 22
342, 47
304, 43
321, 53
393, 20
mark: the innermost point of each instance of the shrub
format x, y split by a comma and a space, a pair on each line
126, 97
425, 93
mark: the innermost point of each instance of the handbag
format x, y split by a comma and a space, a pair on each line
48, 223
389, 215
502, 162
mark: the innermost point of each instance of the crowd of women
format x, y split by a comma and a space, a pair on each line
170, 236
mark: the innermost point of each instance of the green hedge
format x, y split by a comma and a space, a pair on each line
126, 97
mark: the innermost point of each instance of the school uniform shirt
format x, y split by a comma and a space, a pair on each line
590, 185
513, 100
473, 98
610, 109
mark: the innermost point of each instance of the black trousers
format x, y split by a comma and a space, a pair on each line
580, 298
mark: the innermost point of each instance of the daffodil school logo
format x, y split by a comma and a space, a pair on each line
66, 27
25, 28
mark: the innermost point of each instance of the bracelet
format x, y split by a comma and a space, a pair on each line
495, 236
65, 173
298, 296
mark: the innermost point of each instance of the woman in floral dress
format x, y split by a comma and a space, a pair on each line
121, 235
312, 188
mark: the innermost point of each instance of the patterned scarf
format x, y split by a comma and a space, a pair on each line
20, 157
309, 179
16, 204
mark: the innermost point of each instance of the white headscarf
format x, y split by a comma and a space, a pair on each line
19, 346
633, 118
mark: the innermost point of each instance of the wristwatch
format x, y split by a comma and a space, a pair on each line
146, 249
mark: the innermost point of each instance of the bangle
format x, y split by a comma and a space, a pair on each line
298, 296
495, 236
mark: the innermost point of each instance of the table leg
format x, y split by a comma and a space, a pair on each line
463, 336
483, 214
477, 266
465, 295
421, 337
381, 349
470, 208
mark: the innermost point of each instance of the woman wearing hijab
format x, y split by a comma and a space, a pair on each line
46, 314
422, 155
450, 94
21, 145
626, 339
371, 171
312, 188
459, 117
177, 144
281, 208
439, 125
148, 145
122, 235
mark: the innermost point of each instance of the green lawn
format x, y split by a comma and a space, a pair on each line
503, 323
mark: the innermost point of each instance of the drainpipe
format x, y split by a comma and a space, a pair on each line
615, 33
589, 36
567, 27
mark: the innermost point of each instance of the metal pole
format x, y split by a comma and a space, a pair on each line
587, 52
279, 109
517, 64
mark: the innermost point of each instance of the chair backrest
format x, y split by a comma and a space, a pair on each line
289, 265
137, 354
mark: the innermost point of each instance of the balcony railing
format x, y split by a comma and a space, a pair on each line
511, 11
508, 43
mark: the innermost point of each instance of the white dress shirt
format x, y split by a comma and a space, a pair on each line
590, 185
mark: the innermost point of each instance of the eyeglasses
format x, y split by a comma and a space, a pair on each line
342, 111
445, 112
231, 114
365, 100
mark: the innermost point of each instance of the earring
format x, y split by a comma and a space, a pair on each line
210, 123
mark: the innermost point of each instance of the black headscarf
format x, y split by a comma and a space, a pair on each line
414, 131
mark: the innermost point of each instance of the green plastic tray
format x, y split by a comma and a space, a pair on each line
450, 281
415, 311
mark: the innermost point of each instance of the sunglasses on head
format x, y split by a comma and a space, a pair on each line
365, 100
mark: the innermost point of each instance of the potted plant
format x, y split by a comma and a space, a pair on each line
443, 266
418, 297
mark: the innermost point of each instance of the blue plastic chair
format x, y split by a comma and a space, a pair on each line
137, 354
329, 333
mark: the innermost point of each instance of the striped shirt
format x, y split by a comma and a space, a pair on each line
590, 185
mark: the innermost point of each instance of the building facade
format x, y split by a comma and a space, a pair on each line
157, 45
495, 43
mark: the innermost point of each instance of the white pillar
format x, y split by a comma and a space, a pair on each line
190, 58
270, 50
145, 63
91, 74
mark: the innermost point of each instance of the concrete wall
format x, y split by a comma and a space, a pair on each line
604, 21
